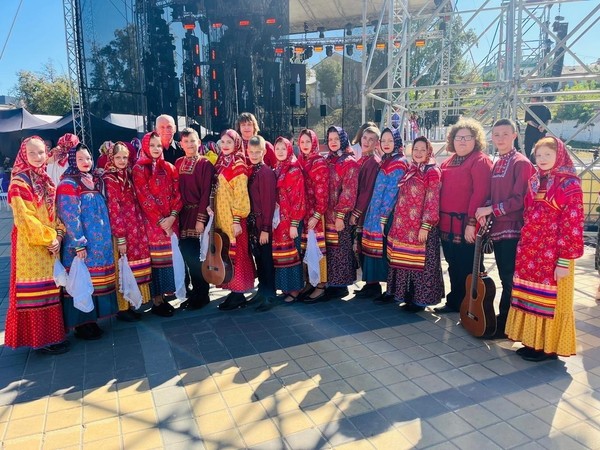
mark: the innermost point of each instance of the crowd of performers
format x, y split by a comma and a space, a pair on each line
390, 214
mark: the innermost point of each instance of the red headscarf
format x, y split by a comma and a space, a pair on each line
146, 158
237, 156
416, 168
61, 152
314, 147
122, 175
283, 167
563, 168
43, 186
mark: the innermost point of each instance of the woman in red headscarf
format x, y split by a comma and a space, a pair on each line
316, 188
58, 160
232, 204
286, 237
413, 243
541, 312
156, 183
127, 225
34, 318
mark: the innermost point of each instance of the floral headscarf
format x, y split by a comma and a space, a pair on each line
283, 167
314, 147
61, 151
344, 141
43, 187
90, 179
122, 175
398, 144
224, 160
563, 168
105, 147
146, 158
420, 168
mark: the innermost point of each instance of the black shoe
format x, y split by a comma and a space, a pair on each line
370, 290
86, 333
169, 297
444, 309
412, 308
319, 298
256, 300
306, 291
162, 310
233, 301
524, 350
498, 334
537, 356
128, 316
267, 304
193, 304
55, 349
336, 292
95, 328
136, 314
384, 299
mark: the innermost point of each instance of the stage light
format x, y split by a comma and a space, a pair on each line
349, 27
216, 112
349, 49
420, 43
380, 46
271, 21
213, 54
339, 47
214, 74
199, 93
360, 47
197, 71
217, 24
298, 49
215, 95
279, 50
199, 110
329, 50
189, 22
308, 52
244, 23
321, 31
318, 48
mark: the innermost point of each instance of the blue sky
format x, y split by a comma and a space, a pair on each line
38, 36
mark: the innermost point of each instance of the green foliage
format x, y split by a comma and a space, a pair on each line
45, 92
581, 112
329, 77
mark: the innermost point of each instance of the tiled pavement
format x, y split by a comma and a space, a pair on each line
342, 374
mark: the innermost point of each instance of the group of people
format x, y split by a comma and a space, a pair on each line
382, 211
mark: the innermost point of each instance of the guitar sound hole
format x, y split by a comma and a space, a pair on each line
212, 249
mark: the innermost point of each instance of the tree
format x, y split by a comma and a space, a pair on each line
581, 112
329, 77
45, 92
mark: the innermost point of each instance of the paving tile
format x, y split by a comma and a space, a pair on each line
477, 416
584, 433
62, 438
136, 402
20, 428
390, 439
174, 411
258, 432
28, 409
101, 429
31, 441
140, 420
475, 439
215, 422
141, 440
450, 425
505, 435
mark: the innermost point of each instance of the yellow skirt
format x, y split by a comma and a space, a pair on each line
555, 335
144, 288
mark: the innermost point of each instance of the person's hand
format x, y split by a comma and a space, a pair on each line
169, 232
482, 213
293, 232
237, 229
167, 223
82, 254
339, 225
382, 227
312, 223
560, 272
263, 238
423, 233
199, 227
122, 249
470, 234
353, 221
54, 247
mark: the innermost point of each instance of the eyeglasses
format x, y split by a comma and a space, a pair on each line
464, 138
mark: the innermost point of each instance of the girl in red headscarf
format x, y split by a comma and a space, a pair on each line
34, 318
541, 312
413, 242
232, 204
156, 183
127, 225
316, 189
58, 160
286, 237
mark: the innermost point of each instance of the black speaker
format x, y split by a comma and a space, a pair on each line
323, 110
378, 113
295, 94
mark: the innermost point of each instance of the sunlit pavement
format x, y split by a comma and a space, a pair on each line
341, 374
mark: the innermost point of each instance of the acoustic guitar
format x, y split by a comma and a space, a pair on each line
217, 268
477, 314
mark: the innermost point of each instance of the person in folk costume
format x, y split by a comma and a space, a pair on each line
81, 207
357, 143
196, 175
316, 184
247, 126
127, 226
343, 185
103, 158
541, 311
510, 178
262, 188
413, 242
58, 157
466, 176
286, 237
156, 183
34, 318
385, 191
232, 204
369, 162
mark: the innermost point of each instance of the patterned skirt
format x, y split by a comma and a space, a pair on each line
420, 287
104, 306
341, 260
244, 271
291, 278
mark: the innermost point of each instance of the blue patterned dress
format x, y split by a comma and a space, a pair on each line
373, 246
82, 209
